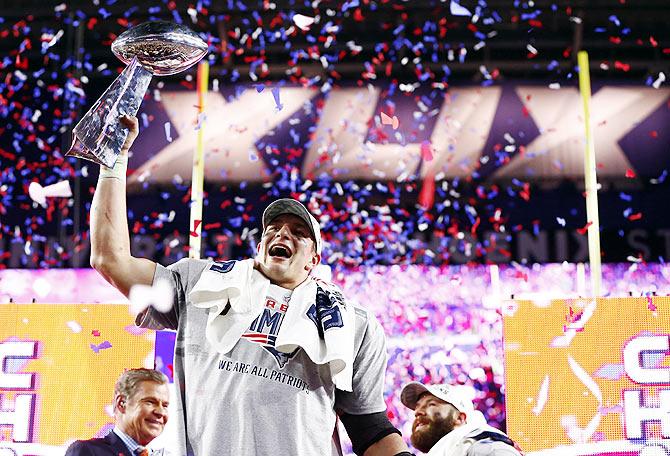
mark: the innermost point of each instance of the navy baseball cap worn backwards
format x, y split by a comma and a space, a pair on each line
294, 207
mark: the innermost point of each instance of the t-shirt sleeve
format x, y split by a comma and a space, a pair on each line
181, 276
369, 370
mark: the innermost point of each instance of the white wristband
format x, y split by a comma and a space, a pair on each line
118, 171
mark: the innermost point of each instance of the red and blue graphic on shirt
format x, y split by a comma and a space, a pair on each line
264, 329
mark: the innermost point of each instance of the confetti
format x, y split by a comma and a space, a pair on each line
103, 346
74, 326
40, 194
660, 80
166, 127
303, 22
135, 330
202, 118
542, 396
586, 379
194, 231
386, 120
275, 95
585, 228
650, 304
427, 195
159, 296
458, 10
426, 151
610, 371
406, 73
660, 178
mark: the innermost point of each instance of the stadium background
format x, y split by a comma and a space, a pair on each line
428, 207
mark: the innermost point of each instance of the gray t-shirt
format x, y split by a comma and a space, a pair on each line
255, 400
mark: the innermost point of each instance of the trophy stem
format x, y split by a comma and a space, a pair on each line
99, 136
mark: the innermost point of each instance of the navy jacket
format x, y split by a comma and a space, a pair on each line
110, 445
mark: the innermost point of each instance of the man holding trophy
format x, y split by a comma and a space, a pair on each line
267, 357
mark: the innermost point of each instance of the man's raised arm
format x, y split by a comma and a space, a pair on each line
110, 241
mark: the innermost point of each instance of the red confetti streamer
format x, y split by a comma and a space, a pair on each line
650, 304
426, 151
525, 193
196, 224
585, 229
427, 195
621, 66
473, 230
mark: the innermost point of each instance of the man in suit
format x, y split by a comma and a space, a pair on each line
140, 413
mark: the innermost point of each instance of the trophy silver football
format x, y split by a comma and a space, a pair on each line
157, 47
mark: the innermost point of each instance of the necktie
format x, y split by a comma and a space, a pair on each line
141, 451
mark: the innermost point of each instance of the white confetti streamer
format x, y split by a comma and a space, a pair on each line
74, 326
458, 10
40, 194
586, 379
303, 22
542, 396
167, 132
159, 296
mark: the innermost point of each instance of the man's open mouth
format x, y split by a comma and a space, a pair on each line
280, 251
420, 425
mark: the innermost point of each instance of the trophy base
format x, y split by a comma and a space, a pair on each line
79, 150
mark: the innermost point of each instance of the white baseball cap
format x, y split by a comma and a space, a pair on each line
293, 207
458, 396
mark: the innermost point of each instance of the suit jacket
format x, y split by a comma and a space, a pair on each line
110, 445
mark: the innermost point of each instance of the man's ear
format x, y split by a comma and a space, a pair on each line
314, 262
120, 403
258, 247
462, 417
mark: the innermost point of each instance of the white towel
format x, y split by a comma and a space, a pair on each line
318, 319
329, 338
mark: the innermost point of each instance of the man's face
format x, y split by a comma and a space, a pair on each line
433, 419
144, 414
286, 252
